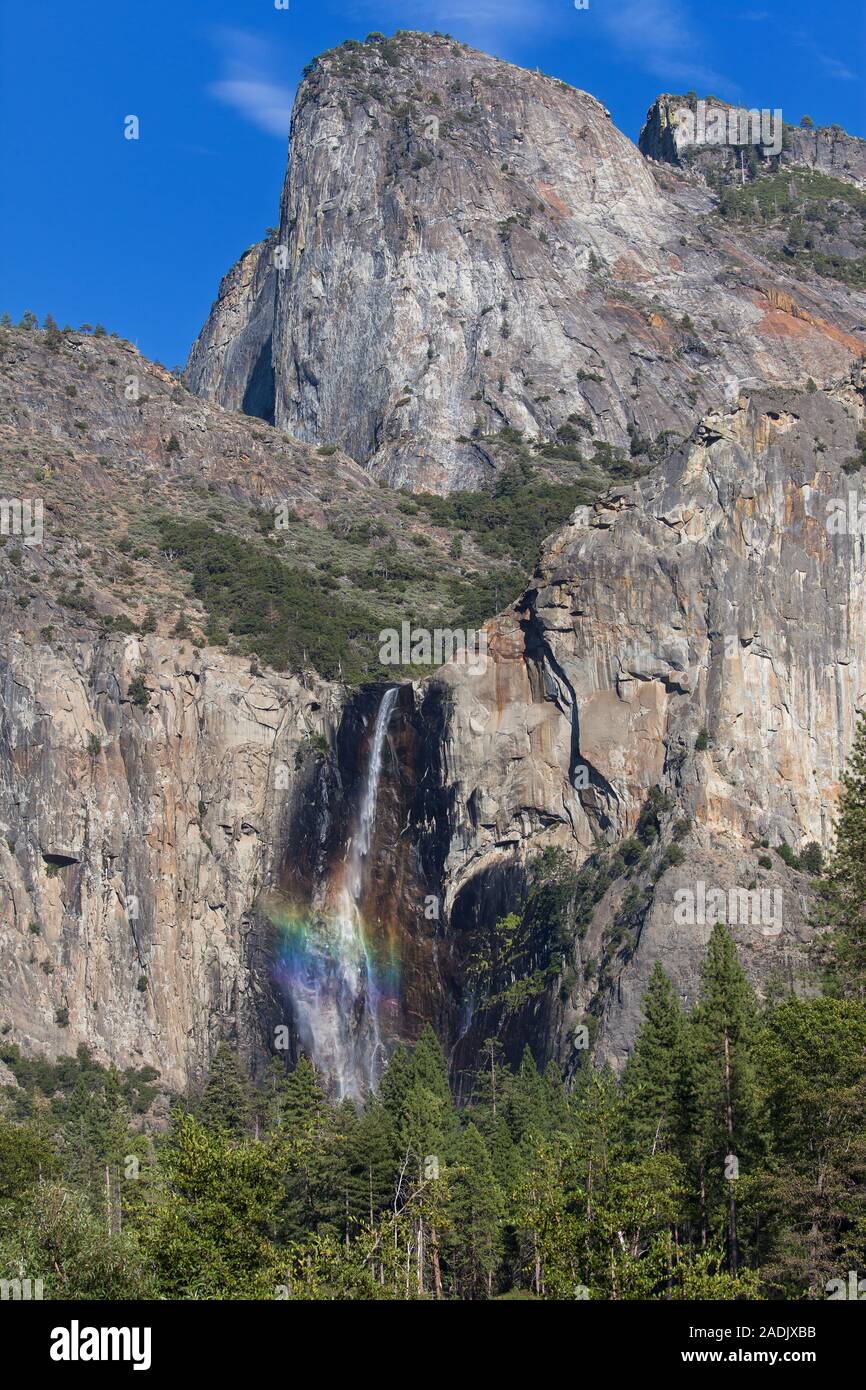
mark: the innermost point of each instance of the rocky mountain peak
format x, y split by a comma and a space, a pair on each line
467, 247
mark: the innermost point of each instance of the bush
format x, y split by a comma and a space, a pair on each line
287, 616
788, 856
138, 692
672, 856
812, 858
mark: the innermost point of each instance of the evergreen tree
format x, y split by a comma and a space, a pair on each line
723, 1036
504, 1156
557, 1111
226, 1102
396, 1082
812, 1061
372, 1163
303, 1133
334, 1204
301, 1099
526, 1105
208, 1233
652, 1073
844, 890
428, 1067
474, 1250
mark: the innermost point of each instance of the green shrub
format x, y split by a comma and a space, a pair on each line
812, 858
138, 692
786, 854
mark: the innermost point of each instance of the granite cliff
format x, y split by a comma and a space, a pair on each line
465, 246
476, 279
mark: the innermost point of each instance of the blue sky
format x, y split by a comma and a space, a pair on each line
136, 234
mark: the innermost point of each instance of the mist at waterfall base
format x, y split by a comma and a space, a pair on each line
341, 982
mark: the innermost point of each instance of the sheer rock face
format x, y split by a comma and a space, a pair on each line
667, 138
715, 595
466, 245
725, 595
230, 360
140, 863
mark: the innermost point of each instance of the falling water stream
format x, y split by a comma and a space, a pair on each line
332, 973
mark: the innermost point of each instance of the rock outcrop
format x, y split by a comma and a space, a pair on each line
466, 246
230, 360
704, 634
136, 842
669, 134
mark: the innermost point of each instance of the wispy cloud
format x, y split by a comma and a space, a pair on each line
833, 67
488, 24
657, 36
250, 84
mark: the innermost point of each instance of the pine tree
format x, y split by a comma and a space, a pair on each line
724, 1032
844, 890
504, 1156
812, 1061
526, 1106
226, 1102
396, 1083
302, 1099
474, 1250
555, 1099
373, 1162
428, 1066
652, 1072
53, 336
302, 1131
334, 1201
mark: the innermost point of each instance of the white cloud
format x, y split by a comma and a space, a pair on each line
249, 83
834, 68
655, 34
487, 24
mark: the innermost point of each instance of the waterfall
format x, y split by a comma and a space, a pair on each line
374, 768
328, 969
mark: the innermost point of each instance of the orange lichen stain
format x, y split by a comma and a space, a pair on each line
794, 507
648, 327
553, 200
786, 319
627, 268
